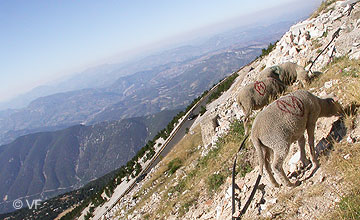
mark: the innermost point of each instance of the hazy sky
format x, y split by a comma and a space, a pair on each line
43, 40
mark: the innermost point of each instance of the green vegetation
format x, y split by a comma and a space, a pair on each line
265, 52
203, 175
186, 206
345, 71
224, 86
133, 168
174, 165
243, 168
88, 215
325, 34
349, 207
215, 181
316, 44
202, 110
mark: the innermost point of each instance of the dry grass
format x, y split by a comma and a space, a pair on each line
204, 175
287, 206
262, 68
346, 72
349, 206
186, 148
333, 164
316, 45
347, 89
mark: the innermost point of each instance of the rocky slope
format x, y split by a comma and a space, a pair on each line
200, 187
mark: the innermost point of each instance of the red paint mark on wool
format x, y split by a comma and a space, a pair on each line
260, 87
292, 105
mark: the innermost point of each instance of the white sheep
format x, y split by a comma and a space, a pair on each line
288, 73
256, 95
283, 122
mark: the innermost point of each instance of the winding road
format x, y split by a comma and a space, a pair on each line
172, 140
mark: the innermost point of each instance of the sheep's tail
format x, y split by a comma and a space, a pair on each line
258, 146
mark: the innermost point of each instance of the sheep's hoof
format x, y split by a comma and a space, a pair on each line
312, 172
306, 164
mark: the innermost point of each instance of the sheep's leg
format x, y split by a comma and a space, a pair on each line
304, 161
246, 119
314, 160
247, 112
277, 165
246, 127
268, 167
259, 151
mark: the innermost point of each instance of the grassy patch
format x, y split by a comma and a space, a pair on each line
147, 217
349, 205
203, 176
174, 165
185, 206
266, 51
243, 168
224, 86
215, 181
202, 110
186, 150
345, 71
316, 45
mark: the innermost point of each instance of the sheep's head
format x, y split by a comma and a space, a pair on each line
333, 108
272, 72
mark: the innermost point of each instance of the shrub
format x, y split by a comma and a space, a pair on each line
243, 169
202, 110
174, 165
266, 51
350, 207
224, 86
215, 181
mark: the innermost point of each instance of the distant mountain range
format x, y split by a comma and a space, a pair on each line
45, 164
168, 86
104, 75
63, 140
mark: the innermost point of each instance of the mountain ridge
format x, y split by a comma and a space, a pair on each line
46, 164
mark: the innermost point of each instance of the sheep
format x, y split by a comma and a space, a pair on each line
256, 95
287, 73
283, 122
